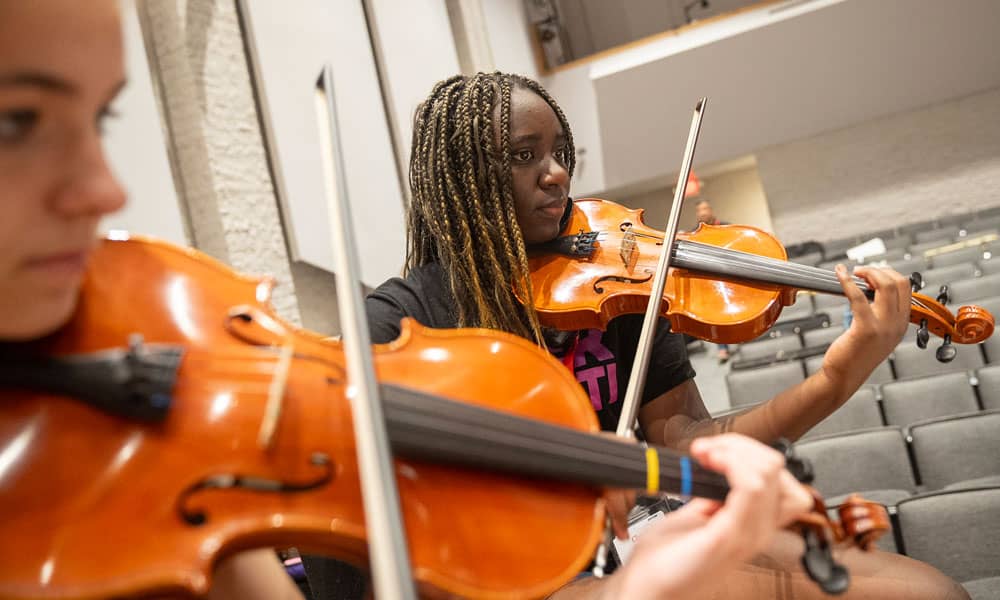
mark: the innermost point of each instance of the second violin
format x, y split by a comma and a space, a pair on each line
728, 283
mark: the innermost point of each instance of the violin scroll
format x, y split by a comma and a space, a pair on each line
863, 521
970, 325
861, 524
973, 324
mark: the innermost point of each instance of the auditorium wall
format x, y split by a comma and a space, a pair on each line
935, 161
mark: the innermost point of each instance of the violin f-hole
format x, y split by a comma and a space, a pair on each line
254, 326
600, 290
197, 517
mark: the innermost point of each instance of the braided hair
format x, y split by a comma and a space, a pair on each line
462, 213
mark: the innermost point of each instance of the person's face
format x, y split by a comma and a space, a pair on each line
704, 212
61, 65
539, 150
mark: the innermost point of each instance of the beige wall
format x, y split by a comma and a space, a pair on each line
736, 197
909, 167
914, 166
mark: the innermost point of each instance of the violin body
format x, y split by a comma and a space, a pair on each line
580, 294
726, 284
101, 506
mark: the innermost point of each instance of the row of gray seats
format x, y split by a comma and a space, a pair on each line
901, 403
956, 456
956, 226
892, 439
750, 386
924, 456
979, 245
936, 264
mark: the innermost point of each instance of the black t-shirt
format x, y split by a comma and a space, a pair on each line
602, 361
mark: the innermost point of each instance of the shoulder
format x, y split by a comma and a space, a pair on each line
422, 294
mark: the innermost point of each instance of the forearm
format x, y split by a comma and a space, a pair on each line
788, 415
677, 417
792, 412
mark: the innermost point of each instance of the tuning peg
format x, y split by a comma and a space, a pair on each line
946, 353
944, 295
916, 281
923, 335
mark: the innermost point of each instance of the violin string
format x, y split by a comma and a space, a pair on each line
810, 276
595, 452
529, 440
769, 265
814, 270
809, 271
740, 259
721, 264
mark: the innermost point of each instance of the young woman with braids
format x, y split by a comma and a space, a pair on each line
490, 168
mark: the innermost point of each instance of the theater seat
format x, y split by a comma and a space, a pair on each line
757, 385
956, 531
911, 361
959, 448
989, 386
968, 290
861, 411
906, 402
938, 276
958, 257
870, 459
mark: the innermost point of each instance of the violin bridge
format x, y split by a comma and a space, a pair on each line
627, 249
275, 396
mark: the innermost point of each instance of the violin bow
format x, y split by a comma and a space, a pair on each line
818, 561
640, 365
388, 556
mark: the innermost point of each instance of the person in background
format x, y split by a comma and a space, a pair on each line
490, 170
705, 214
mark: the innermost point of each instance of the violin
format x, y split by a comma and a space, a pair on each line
176, 420
727, 283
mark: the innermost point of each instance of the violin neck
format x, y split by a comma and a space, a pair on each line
425, 427
742, 266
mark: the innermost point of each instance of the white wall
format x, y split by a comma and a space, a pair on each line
909, 167
292, 41
510, 40
417, 50
773, 76
137, 148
